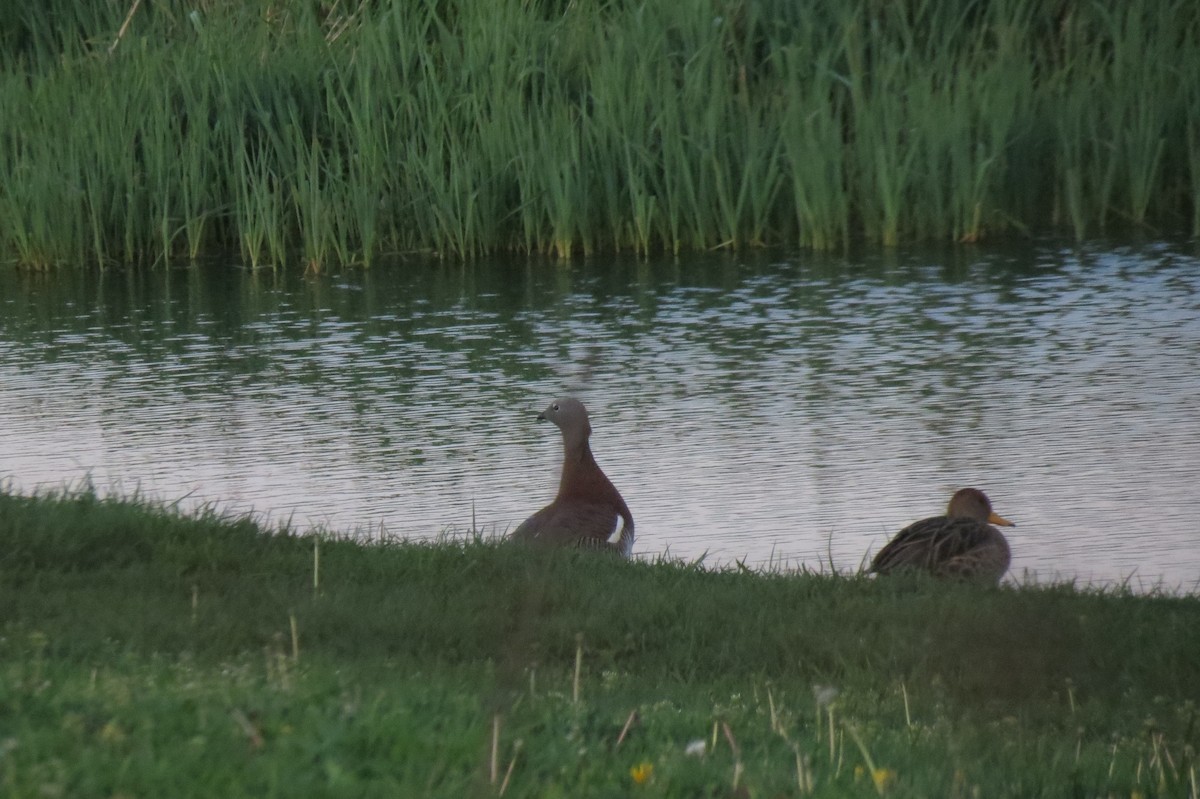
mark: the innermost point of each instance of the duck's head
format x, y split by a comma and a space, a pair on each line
974, 504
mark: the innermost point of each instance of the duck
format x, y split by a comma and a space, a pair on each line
961, 544
588, 508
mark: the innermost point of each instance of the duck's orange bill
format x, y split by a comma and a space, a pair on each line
995, 518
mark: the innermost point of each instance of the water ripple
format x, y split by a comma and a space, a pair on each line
789, 411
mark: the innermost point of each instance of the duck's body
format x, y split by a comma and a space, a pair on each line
962, 544
588, 508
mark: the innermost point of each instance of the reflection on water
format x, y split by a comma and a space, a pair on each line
792, 410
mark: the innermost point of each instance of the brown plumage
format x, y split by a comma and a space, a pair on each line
961, 544
588, 507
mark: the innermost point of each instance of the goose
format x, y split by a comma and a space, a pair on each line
587, 509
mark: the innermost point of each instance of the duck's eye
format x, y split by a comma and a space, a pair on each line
554, 407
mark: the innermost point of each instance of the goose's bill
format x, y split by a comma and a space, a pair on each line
995, 518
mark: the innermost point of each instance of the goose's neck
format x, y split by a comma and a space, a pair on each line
580, 472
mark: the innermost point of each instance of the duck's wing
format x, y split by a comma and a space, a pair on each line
977, 553
948, 546
911, 548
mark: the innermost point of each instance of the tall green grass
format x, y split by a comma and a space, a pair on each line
328, 135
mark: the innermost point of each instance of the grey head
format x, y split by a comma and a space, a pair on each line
569, 416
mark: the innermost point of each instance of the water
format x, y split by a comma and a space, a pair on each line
785, 411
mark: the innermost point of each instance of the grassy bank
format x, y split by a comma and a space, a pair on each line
330, 134
147, 653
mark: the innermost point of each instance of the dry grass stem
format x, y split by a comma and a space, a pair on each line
629, 722
494, 761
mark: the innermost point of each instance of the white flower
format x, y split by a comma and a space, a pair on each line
695, 748
824, 694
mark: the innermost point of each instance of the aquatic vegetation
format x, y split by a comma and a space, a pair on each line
295, 133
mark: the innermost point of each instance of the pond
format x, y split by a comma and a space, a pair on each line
782, 410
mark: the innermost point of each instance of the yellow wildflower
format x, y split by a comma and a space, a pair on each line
642, 772
111, 733
883, 778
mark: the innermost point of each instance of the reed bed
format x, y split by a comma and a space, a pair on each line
331, 135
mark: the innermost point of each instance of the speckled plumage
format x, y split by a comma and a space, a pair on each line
962, 544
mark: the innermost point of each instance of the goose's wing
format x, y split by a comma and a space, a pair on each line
570, 524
